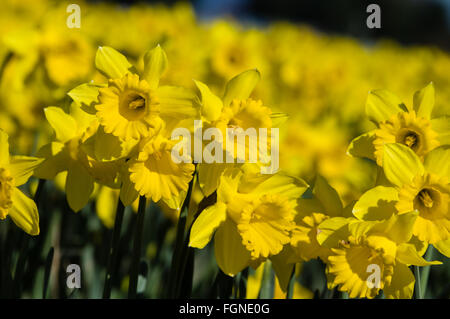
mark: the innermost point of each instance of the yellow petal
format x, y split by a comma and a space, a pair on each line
177, 102
401, 164
377, 203
424, 101
111, 63
155, 63
328, 197
407, 254
24, 213
438, 161
289, 186
254, 282
4, 148
398, 228
64, 125
79, 186
22, 168
128, 193
441, 125
332, 230
282, 268
106, 205
85, 95
362, 146
241, 86
206, 224
211, 104
402, 283
382, 104
56, 160
231, 255
278, 118
444, 247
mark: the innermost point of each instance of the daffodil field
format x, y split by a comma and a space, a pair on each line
346, 194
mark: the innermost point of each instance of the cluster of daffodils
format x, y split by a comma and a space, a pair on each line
116, 102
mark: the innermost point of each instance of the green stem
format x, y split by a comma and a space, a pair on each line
179, 256
426, 270
418, 294
113, 249
134, 273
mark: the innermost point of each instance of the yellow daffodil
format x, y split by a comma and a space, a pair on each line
311, 213
252, 219
234, 110
414, 127
134, 106
371, 256
68, 153
154, 173
14, 172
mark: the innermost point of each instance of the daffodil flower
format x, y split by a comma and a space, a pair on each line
382, 248
312, 212
414, 127
234, 109
70, 153
134, 106
252, 218
14, 172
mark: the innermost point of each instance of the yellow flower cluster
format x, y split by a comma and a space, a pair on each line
119, 100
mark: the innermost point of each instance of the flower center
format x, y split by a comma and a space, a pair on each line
133, 106
425, 198
6, 188
411, 140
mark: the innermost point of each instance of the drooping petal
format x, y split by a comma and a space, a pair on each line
401, 164
423, 101
241, 86
282, 268
155, 63
64, 125
56, 160
402, 284
24, 213
79, 186
206, 224
111, 63
407, 254
328, 197
85, 95
231, 255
